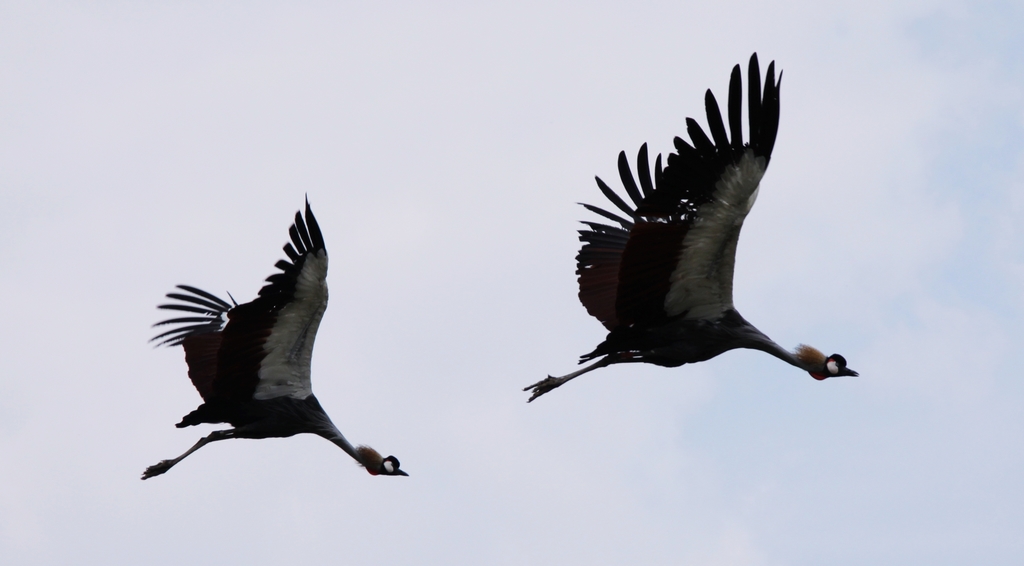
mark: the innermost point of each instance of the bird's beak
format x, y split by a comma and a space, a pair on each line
401, 473
849, 372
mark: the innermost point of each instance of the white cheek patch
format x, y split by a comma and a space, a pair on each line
833, 367
389, 467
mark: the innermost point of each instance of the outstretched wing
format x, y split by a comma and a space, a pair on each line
268, 343
199, 334
675, 252
264, 349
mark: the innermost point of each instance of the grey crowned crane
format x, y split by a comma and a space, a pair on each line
660, 280
250, 362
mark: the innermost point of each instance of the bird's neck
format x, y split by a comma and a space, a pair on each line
366, 457
331, 432
756, 340
325, 428
783, 354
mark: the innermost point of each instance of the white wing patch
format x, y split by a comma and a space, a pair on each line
285, 369
701, 284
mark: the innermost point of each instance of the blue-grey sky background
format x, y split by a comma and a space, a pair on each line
444, 149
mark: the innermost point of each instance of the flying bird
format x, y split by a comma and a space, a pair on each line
250, 362
660, 278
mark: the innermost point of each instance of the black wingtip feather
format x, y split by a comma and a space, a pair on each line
754, 100
627, 178
616, 199
769, 112
289, 251
202, 293
735, 106
700, 140
187, 308
715, 123
643, 171
184, 319
306, 238
198, 302
315, 235
293, 232
690, 174
613, 217
303, 232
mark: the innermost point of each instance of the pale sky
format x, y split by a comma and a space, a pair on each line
443, 150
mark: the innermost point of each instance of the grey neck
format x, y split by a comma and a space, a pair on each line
325, 428
334, 435
757, 341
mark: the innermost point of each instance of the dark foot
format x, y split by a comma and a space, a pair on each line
157, 469
543, 386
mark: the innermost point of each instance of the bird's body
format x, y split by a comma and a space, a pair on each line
251, 362
661, 279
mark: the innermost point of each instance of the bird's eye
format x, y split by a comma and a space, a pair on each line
832, 366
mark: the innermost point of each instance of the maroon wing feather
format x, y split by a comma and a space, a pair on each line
241, 351
647, 264
199, 334
624, 270
598, 270
201, 357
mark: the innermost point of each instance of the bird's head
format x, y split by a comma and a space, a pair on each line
820, 366
377, 464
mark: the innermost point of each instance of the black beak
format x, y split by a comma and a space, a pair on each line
849, 372
401, 473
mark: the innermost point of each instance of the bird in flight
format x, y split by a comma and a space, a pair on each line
250, 362
660, 277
